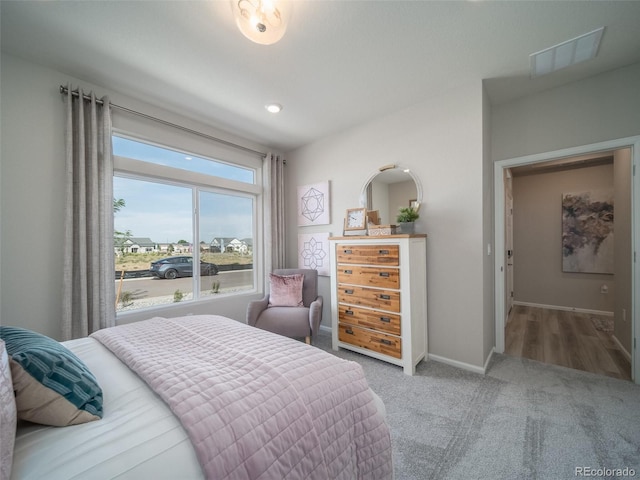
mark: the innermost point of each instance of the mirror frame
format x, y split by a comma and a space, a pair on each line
373, 175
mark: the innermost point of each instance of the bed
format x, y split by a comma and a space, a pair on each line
205, 396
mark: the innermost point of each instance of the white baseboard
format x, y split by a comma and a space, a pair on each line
456, 363
566, 309
626, 354
489, 357
326, 329
447, 361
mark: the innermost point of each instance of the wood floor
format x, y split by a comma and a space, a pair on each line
564, 338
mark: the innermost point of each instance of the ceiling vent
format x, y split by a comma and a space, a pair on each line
576, 50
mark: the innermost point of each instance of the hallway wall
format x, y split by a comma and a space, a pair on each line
538, 275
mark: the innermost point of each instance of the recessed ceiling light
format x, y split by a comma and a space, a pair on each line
273, 107
576, 50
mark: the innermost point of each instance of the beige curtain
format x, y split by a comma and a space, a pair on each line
88, 275
276, 232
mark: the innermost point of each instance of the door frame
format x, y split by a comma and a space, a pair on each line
509, 258
499, 233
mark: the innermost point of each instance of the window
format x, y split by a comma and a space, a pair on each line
174, 210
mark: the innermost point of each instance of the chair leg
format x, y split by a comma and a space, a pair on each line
307, 340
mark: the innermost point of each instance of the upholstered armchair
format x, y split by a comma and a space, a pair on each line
292, 308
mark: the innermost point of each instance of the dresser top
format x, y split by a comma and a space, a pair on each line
375, 237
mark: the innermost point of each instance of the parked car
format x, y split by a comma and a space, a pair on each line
173, 267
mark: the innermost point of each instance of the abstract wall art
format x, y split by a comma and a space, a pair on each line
313, 252
313, 204
587, 232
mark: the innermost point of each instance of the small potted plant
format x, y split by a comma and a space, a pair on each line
406, 219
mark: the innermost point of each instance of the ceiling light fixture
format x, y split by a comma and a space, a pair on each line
273, 108
261, 21
576, 50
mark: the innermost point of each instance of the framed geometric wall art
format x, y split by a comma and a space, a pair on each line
313, 252
313, 204
587, 232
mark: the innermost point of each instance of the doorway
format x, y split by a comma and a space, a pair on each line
504, 255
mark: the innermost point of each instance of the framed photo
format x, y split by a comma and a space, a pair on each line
588, 232
313, 252
373, 217
355, 219
313, 204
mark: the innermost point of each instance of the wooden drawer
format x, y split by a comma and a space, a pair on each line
369, 276
369, 254
378, 342
369, 297
381, 321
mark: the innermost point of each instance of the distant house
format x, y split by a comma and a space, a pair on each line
174, 248
229, 244
215, 246
182, 248
249, 243
238, 246
136, 245
221, 244
166, 247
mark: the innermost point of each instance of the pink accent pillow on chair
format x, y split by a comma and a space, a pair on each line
286, 290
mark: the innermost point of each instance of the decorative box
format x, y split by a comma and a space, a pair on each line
378, 230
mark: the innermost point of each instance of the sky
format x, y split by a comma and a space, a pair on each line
163, 212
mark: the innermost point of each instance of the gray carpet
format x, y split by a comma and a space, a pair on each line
522, 420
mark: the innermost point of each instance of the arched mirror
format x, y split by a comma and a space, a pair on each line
388, 189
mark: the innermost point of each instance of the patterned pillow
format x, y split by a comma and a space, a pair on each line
286, 290
8, 418
52, 385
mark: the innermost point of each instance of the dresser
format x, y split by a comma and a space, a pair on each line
379, 297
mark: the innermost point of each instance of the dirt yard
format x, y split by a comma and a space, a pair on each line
140, 261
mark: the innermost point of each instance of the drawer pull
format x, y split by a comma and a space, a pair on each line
384, 274
348, 312
383, 252
348, 252
348, 291
349, 331
385, 297
385, 319
385, 341
348, 272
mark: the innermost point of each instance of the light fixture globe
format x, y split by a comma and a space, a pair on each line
262, 21
273, 107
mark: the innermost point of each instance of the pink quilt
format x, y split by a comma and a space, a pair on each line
257, 405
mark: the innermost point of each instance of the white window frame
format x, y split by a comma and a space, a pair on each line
140, 170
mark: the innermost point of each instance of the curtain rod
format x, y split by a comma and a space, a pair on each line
65, 91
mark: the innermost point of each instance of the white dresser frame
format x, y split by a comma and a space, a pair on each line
413, 297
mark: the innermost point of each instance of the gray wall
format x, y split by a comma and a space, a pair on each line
597, 109
488, 206
441, 141
537, 232
623, 247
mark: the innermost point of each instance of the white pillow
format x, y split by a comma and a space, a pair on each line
8, 415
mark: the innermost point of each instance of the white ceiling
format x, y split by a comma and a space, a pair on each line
339, 64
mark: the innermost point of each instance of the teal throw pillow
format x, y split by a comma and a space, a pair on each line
52, 385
